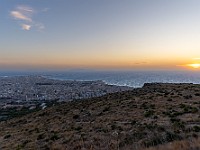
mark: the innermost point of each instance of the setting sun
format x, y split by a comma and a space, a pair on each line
195, 66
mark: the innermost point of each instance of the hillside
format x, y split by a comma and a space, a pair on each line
148, 117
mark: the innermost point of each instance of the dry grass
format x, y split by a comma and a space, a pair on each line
189, 144
150, 117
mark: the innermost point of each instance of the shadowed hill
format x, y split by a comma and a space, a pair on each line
142, 118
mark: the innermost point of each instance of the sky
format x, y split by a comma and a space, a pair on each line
130, 34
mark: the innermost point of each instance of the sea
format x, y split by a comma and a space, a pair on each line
121, 78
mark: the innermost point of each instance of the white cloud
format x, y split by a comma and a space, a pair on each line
19, 16
40, 26
26, 27
24, 14
25, 9
45, 9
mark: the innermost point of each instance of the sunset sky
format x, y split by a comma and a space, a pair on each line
132, 34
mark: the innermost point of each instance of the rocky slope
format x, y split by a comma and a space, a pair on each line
146, 118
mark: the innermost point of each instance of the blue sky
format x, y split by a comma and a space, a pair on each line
99, 33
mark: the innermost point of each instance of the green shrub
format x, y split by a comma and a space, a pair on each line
172, 136
76, 116
148, 113
106, 109
196, 128
7, 136
54, 137
40, 136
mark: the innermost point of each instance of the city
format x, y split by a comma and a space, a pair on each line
29, 91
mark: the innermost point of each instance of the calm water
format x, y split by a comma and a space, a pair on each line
124, 78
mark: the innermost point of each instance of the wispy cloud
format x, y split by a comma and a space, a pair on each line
25, 9
140, 63
45, 9
24, 14
20, 16
40, 26
26, 27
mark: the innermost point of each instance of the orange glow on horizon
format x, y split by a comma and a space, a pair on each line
195, 66
100, 62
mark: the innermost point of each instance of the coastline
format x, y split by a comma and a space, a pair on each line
135, 79
33, 92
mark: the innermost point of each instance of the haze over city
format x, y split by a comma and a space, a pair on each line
130, 34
